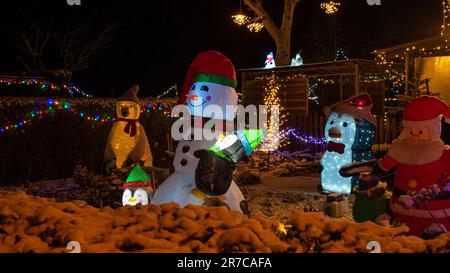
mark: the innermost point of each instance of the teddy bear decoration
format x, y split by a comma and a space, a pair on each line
127, 142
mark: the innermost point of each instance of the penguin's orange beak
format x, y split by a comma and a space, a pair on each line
192, 97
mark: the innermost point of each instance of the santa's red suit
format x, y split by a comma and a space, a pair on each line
422, 160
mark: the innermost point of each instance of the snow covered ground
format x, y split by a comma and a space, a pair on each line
34, 224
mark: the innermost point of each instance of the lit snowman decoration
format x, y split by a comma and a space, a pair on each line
138, 188
202, 172
270, 61
350, 134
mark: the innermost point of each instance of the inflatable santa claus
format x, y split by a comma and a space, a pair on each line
421, 195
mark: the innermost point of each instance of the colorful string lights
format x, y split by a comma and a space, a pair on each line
46, 87
44, 107
296, 135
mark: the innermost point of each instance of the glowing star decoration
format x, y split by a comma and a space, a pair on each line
127, 141
297, 61
349, 133
330, 7
270, 61
137, 188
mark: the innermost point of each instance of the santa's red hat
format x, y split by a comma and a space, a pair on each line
426, 111
426, 108
209, 66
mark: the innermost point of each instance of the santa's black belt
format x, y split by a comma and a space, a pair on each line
399, 192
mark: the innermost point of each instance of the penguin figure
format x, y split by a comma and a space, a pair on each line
138, 188
350, 134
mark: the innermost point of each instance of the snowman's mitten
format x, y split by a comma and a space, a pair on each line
213, 174
235, 152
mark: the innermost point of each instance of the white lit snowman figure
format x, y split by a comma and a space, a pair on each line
270, 61
349, 133
211, 80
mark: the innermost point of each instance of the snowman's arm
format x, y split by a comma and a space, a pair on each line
246, 142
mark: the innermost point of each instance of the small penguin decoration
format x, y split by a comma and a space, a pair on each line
127, 141
350, 134
138, 188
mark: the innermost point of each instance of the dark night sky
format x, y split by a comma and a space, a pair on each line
156, 39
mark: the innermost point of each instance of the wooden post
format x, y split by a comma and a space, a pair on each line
356, 78
307, 98
406, 74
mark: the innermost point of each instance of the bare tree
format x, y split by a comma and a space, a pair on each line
281, 35
32, 45
77, 49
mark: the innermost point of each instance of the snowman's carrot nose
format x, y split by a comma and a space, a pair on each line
192, 97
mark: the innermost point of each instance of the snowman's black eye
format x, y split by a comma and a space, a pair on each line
204, 88
420, 132
193, 87
411, 132
332, 122
345, 124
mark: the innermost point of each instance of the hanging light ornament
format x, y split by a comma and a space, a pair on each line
330, 7
240, 18
255, 26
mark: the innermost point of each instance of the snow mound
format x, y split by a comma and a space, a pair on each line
34, 224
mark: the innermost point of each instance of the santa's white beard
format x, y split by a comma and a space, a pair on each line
413, 152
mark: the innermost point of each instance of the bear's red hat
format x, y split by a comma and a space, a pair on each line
209, 66
130, 94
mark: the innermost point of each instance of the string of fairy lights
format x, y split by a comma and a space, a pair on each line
272, 101
46, 87
43, 107
446, 17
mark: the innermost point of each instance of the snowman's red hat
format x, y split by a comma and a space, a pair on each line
426, 111
209, 66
